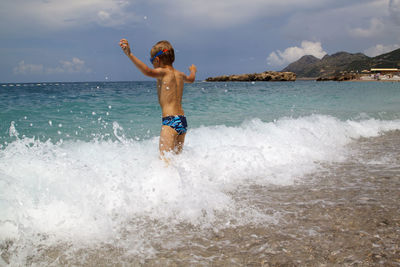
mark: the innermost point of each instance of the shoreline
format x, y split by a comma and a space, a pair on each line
346, 214
357, 80
351, 80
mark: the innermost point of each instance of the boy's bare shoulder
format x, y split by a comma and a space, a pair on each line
179, 73
174, 72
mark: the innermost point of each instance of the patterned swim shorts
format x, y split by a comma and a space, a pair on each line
178, 123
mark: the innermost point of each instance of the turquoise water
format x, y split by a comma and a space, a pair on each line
84, 111
79, 163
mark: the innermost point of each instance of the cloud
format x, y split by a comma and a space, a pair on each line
380, 49
228, 13
58, 14
376, 27
24, 68
292, 54
74, 66
342, 26
394, 11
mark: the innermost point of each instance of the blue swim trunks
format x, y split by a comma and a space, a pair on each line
178, 123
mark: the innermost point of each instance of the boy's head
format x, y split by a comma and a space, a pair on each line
164, 51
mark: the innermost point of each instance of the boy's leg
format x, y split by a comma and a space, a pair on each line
167, 139
179, 141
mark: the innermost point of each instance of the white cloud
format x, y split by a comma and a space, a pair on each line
76, 65
24, 68
294, 53
380, 49
375, 28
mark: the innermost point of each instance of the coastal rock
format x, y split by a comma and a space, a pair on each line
264, 76
339, 77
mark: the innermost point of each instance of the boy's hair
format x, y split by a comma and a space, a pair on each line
168, 57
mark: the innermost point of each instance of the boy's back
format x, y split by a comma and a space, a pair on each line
170, 91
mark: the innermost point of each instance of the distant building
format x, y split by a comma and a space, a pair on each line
385, 71
384, 74
380, 74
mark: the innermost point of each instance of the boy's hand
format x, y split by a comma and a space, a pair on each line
123, 43
193, 68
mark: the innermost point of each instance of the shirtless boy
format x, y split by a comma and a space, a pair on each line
170, 89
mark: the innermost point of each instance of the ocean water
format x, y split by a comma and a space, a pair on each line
80, 175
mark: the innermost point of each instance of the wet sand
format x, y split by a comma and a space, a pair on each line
346, 214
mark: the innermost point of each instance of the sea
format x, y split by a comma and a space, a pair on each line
82, 184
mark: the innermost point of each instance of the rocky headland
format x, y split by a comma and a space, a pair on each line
270, 76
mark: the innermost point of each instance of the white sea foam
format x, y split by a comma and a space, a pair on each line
77, 190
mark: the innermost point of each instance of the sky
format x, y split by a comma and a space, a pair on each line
77, 40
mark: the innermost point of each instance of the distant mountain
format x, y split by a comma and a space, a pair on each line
329, 65
388, 60
305, 67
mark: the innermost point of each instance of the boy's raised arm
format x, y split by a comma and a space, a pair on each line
154, 73
192, 76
